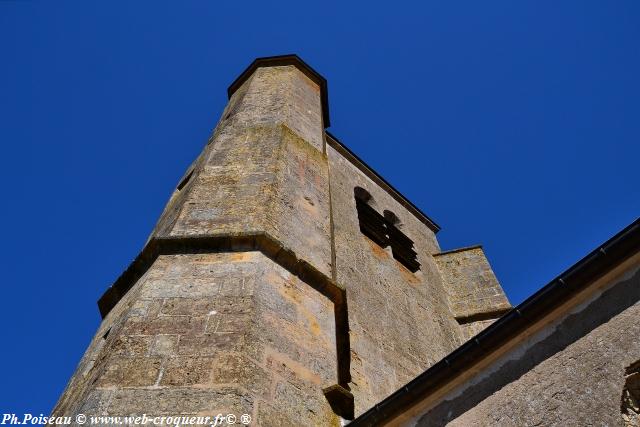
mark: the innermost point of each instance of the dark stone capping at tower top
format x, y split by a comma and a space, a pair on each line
283, 60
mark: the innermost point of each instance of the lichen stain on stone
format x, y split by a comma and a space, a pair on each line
275, 358
289, 291
377, 251
301, 169
307, 205
410, 277
314, 327
292, 332
241, 256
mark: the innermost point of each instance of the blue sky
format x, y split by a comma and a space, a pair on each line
511, 124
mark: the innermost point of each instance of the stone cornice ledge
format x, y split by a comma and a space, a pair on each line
236, 242
271, 248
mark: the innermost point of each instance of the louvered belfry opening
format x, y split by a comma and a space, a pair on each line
402, 248
384, 230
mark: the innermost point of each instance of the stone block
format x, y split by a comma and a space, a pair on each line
211, 343
171, 325
183, 400
188, 306
131, 345
129, 372
187, 371
234, 368
164, 345
229, 323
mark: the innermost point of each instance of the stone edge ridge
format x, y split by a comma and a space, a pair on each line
453, 251
241, 242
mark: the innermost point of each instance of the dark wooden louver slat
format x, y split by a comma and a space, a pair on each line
372, 224
397, 236
384, 233
402, 248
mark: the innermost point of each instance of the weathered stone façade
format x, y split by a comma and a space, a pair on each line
258, 293
569, 355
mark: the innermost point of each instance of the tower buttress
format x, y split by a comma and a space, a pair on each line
230, 307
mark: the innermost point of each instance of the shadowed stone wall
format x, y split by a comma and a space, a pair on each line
570, 373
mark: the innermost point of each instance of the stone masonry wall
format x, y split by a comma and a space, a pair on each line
400, 322
475, 296
280, 95
570, 374
208, 334
259, 175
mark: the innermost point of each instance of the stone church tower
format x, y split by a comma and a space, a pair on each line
285, 279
